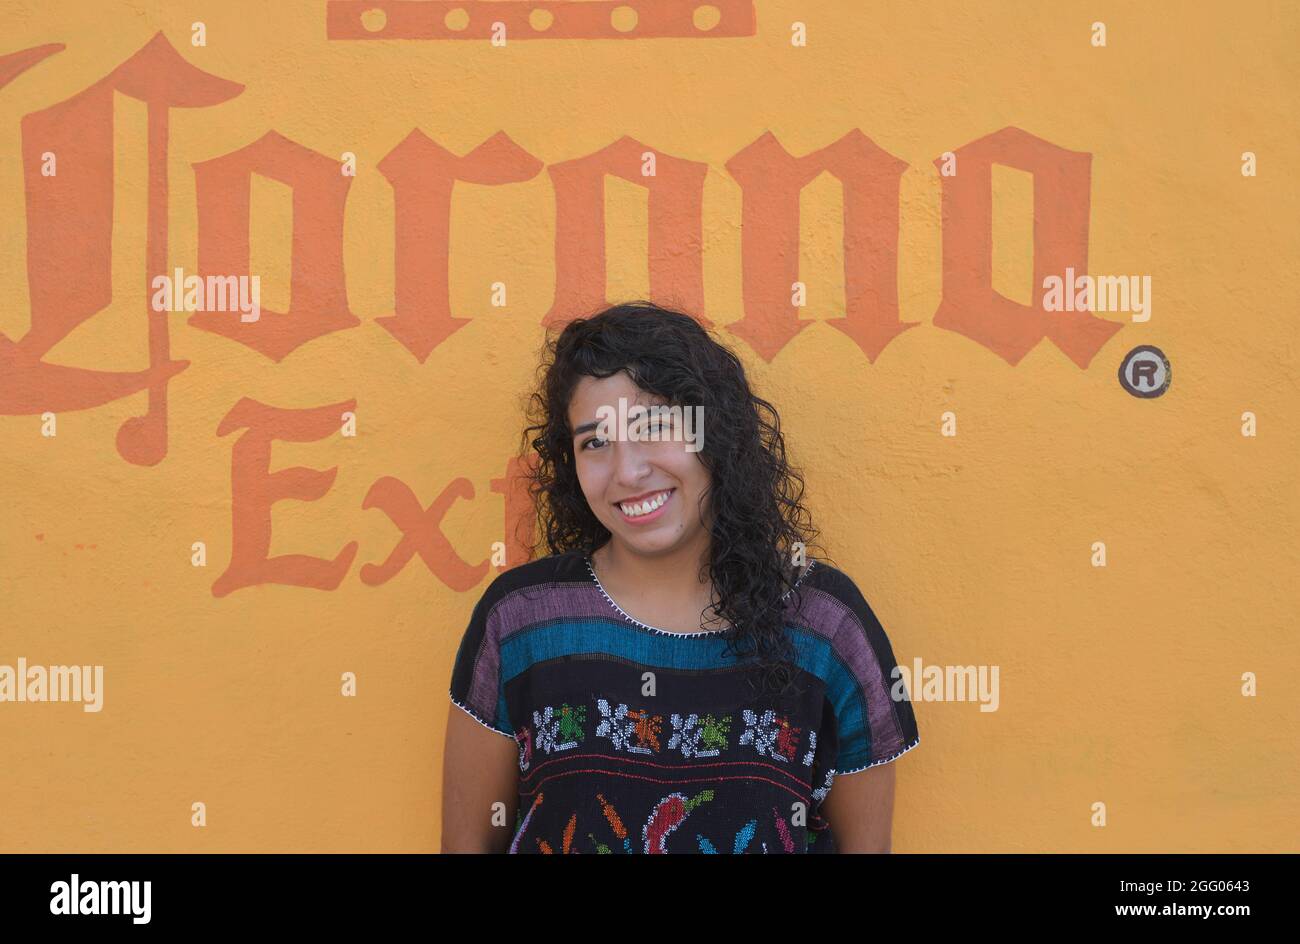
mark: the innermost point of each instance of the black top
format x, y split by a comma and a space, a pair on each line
638, 739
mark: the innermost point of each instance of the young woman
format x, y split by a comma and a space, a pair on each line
677, 675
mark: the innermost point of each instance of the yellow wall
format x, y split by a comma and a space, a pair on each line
1120, 685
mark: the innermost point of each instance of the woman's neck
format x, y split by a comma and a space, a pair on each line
673, 587
680, 567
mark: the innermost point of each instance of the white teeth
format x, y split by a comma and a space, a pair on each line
636, 509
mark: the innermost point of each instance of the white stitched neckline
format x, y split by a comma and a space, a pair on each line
668, 632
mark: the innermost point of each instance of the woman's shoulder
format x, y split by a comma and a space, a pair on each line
821, 574
831, 599
518, 597
543, 572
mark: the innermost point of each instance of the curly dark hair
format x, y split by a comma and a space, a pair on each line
758, 515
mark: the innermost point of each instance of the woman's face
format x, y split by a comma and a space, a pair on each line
619, 475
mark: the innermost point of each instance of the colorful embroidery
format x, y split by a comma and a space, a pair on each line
514, 846
744, 837
770, 735
562, 732
821, 792
667, 816
812, 749
634, 731
568, 834
615, 823
524, 738
702, 739
698, 738
782, 830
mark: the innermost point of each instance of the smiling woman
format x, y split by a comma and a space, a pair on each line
735, 679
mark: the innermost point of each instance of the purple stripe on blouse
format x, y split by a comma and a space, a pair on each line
526, 607
827, 615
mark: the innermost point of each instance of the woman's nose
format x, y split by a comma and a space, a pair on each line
631, 460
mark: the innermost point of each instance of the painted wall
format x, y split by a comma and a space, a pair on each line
185, 503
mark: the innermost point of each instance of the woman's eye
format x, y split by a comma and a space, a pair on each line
588, 443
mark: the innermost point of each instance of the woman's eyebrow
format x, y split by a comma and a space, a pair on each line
588, 427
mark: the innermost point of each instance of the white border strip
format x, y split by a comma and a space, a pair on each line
470, 712
883, 760
667, 632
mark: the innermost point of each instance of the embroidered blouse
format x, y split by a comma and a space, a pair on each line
634, 739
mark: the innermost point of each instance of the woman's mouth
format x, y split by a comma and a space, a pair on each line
645, 507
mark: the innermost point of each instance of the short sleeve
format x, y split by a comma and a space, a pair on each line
873, 712
476, 677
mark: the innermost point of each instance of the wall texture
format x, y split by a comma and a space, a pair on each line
185, 505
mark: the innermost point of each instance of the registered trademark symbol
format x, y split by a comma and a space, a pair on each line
1145, 372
